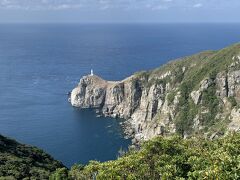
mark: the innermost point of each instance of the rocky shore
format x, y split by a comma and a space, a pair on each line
196, 94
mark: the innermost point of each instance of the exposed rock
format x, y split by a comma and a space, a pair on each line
183, 69
143, 106
168, 73
196, 122
90, 92
233, 84
235, 120
222, 84
196, 96
143, 100
205, 84
126, 99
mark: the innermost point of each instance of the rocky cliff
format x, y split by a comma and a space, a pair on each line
199, 94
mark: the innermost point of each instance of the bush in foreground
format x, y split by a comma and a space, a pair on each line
168, 158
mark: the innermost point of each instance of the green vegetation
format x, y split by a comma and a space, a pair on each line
186, 75
167, 158
198, 66
171, 97
233, 101
61, 173
141, 74
183, 122
211, 102
159, 158
178, 74
18, 161
174, 157
205, 65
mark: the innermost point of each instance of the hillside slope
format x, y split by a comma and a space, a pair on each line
199, 94
167, 158
19, 161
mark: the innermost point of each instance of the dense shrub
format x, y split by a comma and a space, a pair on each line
19, 161
169, 158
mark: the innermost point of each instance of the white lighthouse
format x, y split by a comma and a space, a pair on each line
91, 72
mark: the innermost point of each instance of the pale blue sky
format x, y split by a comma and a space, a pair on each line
106, 11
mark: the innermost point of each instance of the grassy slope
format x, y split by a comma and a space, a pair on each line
197, 68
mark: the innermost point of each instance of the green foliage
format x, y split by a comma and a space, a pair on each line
152, 82
211, 64
18, 161
174, 157
202, 66
142, 74
210, 100
170, 158
233, 101
141, 77
178, 74
186, 110
59, 174
171, 97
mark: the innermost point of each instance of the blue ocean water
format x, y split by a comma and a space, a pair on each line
40, 63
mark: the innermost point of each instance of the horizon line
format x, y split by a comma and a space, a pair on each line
214, 22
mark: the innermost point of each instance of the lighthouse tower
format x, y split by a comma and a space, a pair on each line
91, 72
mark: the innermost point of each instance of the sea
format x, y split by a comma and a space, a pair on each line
41, 63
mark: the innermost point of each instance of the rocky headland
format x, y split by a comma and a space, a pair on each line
199, 94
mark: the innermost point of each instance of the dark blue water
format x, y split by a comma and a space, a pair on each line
39, 64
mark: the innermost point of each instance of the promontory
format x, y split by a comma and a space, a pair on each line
198, 94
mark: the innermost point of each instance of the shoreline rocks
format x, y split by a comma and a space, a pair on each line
152, 102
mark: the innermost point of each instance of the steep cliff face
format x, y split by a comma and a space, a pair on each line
192, 95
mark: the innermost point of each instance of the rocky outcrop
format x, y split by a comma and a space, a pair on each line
155, 103
196, 96
90, 92
127, 99
234, 125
